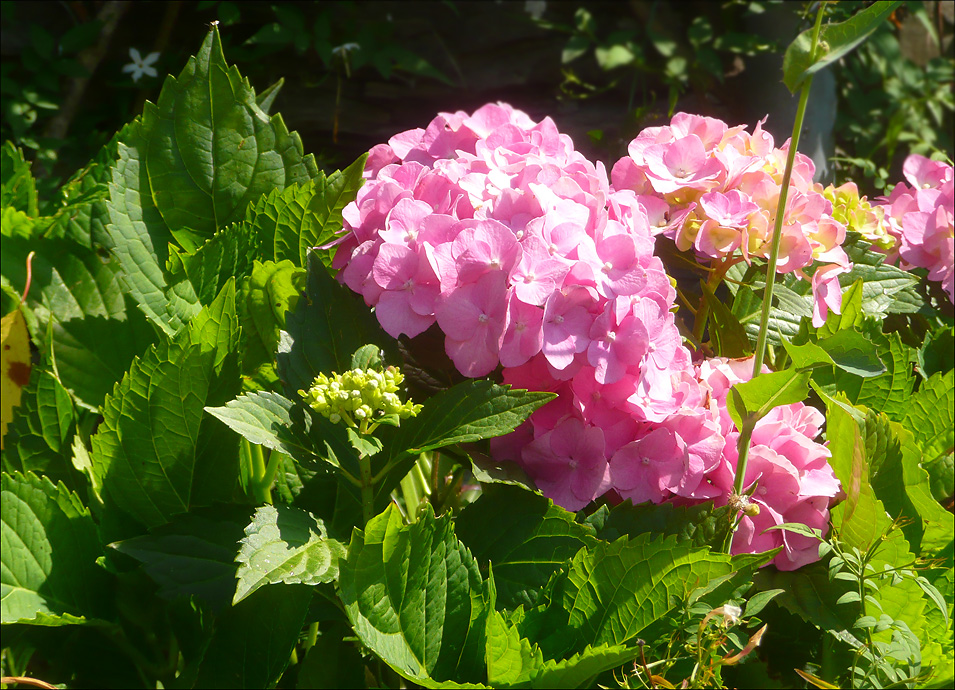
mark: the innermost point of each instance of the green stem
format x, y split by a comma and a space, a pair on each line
747, 431
367, 489
312, 636
261, 490
781, 206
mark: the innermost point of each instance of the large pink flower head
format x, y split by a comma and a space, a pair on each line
491, 226
721, 187
920, 219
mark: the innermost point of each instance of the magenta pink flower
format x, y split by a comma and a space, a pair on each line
568, 463
409, 290
472, 318
566, 325
522, 332
826, 292
616, 344
682, 163
614, 260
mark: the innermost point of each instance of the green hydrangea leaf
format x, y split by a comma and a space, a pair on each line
285, 544
253, 641
327, 326
17, 186
156, 452
266, 296
524, 535
139, 239
194, 555
79, 300
294, 220
40, 437
50, 547
835, 41
470, 411
615, 590
415, 597
212, 150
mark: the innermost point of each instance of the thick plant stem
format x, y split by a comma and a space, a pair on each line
749, 424
367, 489
781, 206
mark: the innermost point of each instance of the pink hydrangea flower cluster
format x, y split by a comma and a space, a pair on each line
787, 471
718, 188
920, 219
493, 227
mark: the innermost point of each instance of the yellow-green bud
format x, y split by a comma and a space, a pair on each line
359, 396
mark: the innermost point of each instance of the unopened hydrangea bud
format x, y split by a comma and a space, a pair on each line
359, 396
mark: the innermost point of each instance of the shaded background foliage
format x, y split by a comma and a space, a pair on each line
359, 72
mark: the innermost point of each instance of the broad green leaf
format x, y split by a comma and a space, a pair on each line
139, 239
193, 555
870, 288
16, 223
755, 398
17, 186
835, 41
156, 452
580, 670
889, 392
930, 416
230, 253
848, 349
415, 597
512, 660
81, 212
470, 411
49, 553
614, 591
292, 221
937, 354
524, 536
861, 519
78, 299
268, 419
253, 641
329, 323
284, 544
698, 525
903, 487
212, 150
40, 438
271, 290
851, 316
367, 357
941, 473
885, 288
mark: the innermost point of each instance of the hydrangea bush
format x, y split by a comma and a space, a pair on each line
230, 458
528, 257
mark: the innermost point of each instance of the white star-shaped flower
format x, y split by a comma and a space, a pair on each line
140, 66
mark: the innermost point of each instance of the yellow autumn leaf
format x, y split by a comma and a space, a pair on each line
14, 365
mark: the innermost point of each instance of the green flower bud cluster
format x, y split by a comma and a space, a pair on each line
858, 215
360, 397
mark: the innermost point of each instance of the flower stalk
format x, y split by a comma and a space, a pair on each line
749, 424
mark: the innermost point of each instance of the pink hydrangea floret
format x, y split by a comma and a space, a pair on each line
920, 218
